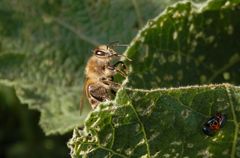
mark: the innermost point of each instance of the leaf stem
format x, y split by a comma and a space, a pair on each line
113, 136
221, 70
104, 148
235, 137
115, 153
143, 129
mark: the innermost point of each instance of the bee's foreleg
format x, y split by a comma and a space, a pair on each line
111, 83
117, 69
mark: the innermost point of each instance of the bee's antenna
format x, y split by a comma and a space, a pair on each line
113, 44
122, 45
124, 57
116, 44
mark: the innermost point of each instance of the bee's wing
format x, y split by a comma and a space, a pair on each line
81, 103
83, 97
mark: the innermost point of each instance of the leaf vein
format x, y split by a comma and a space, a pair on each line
113, 152
235, 137
143, 128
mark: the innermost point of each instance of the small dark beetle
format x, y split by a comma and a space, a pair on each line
214, 124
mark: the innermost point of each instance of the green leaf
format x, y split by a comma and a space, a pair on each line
161, 123
45, 44
187, 44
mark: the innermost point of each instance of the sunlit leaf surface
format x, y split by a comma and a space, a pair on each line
161, 123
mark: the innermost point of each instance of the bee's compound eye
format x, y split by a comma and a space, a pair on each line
100, 53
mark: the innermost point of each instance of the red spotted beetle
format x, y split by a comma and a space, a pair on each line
214, 124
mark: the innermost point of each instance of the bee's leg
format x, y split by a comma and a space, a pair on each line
98, 93
114, 87
111, 83
113, 92
94, 102
121, 63
115, 68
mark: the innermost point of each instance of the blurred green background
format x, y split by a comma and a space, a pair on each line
20, 134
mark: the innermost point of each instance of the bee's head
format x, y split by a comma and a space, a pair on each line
104, 51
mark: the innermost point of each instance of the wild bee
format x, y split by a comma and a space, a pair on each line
99, 72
